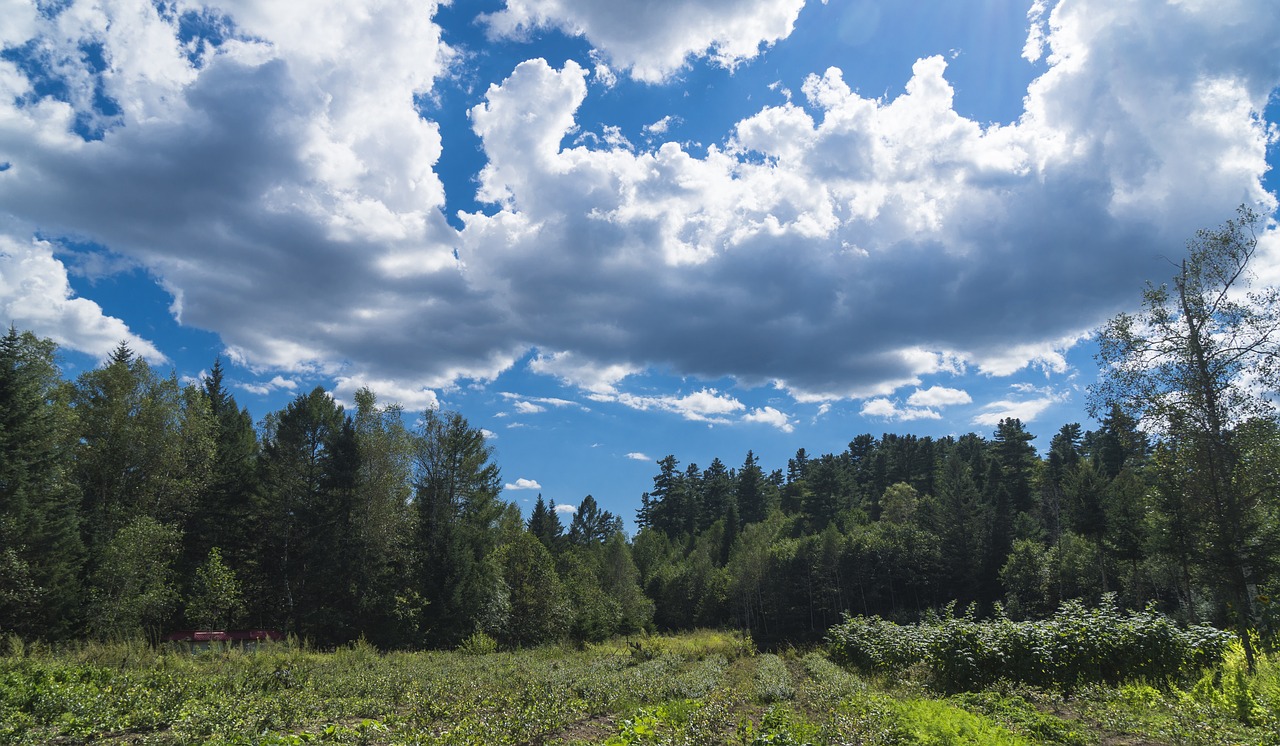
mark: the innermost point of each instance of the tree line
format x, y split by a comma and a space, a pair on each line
131, 504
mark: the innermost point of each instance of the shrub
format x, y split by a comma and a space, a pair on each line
1075, 646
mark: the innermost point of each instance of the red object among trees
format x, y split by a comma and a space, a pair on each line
237, 637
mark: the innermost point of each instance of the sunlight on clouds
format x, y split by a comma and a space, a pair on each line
522, 484
575, 370
652, 39
278, 177
938, 396
35, 295
412, 396
1026, 410
772, 417
889, 410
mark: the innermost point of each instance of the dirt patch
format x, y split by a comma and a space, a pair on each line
593, 729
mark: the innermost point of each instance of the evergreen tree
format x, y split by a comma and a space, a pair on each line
591, 525
41, 554
220, 518
717, 493
545, 525
752, 490
955, 517
1017, 457
456, 493
146, 447
302, 518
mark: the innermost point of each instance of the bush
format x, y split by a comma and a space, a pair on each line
1075, 646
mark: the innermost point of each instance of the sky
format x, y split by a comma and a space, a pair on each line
610, 230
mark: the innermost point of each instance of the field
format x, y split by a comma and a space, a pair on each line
699, 688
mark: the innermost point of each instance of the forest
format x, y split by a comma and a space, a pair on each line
132, 505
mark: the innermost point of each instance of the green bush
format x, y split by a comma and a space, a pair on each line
1075, 646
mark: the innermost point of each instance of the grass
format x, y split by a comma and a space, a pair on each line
700, 688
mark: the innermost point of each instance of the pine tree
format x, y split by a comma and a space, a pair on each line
456, 494
302, 516
41, 554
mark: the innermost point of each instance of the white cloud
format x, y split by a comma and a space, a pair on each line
488, 434
654, 38
282, 185
938, 396
772, 417
541, 401
35, 295
522, 484
415, 397
1027, 409
661, 126
574, 370
637, 456
566, 509
524, 407
822, 221
889, 410
706, 405
278, 383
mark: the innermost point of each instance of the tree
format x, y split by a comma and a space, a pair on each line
146, 447
303, 513
133, 589
590, 525
456, 494
1194, 366
42, 554
381, 523
219, 519
215, 600
752, 491
545, 525
538, 608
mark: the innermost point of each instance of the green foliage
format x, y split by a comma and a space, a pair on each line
773, 680
1075, 646
478, 643
133, 585
215, 595
129, 692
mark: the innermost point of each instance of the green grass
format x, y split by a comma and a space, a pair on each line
702, 688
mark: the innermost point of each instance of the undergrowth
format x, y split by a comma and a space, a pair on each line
708, 688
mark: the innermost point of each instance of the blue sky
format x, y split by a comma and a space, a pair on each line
609, 231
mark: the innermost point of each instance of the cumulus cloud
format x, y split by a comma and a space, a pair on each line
890, 410
535, 404
522, 484
273, 172
566, 509
934, 241
772, 417
278, 383
706, 405
525, 407
1032, 402
654, 38
938, 396
411, 396
637, 456
36, 295
277, 175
